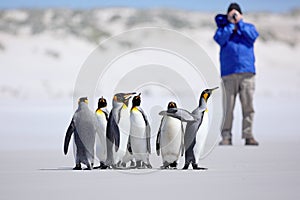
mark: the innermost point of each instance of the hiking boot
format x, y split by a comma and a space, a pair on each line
251, 141
226, 141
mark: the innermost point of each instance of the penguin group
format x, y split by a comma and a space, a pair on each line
121, 138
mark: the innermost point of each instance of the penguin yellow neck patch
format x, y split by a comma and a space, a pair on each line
135, 109
99, 112
124, 106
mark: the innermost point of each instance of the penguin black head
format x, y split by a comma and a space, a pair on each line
206, 93
172, 105
83, 99
122, 98
136, 101
102, 103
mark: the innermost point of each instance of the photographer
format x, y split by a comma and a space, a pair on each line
236, 39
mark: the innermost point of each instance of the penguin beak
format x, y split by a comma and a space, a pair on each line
212, 89
128, 95
208, 92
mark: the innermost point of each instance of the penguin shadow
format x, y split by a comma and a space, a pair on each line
57, 169
131, 171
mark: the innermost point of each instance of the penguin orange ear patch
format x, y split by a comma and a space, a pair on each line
205, 96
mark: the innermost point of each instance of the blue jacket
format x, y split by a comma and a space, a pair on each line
236, 55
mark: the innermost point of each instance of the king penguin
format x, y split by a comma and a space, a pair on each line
117, 131
169, 141
102, 118
140, 134
84, 127
196, 132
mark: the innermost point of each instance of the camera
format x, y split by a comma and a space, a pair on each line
234, 16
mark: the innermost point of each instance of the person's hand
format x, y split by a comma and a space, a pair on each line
234, 16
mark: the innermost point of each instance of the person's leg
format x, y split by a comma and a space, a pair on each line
246, 92
231, 88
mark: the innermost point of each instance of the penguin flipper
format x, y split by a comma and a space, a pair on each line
106, 113
148, 130
148, 138
113, 132
158, 144
69, 133
178, 113
182, 140
129, 145
158, 139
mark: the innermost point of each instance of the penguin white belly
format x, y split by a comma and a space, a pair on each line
101, 139
124, 128
201, 137
171, 137
138, 135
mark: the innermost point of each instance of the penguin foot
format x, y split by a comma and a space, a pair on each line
196, 167
148, 165
139, 164
102, 166
118, 165
114, 166
173, 165
89, 166
123, 165
166, 165
109, 167
186, 166
132, 164
77, 167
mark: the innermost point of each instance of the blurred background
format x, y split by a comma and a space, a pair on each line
43, 44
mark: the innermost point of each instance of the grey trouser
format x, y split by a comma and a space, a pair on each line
244, 85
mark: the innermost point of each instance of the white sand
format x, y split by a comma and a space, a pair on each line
266, 172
